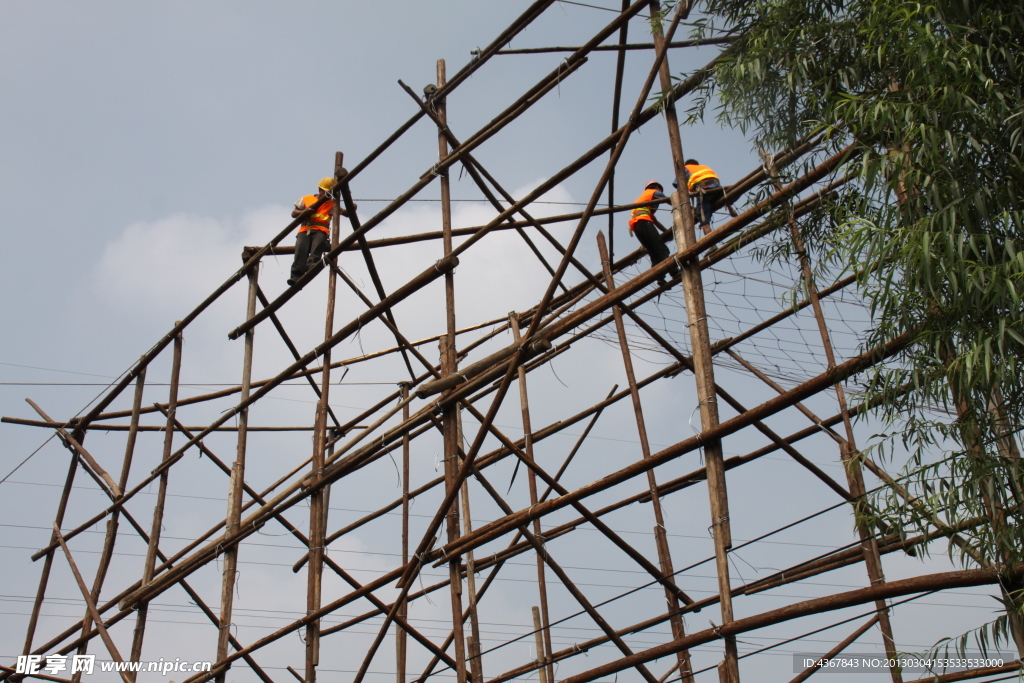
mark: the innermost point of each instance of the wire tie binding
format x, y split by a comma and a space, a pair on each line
561, 66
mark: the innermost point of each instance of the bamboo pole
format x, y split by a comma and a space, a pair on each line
476, 666
542, 649
620, 66
403, 612
110, 537
158, 509
842, 645
703, 369
44, 574
106, 482
621, 48
660, 533
847, 451
53, 424
449, 365
544, 635
90, 605
235, 486
318, 499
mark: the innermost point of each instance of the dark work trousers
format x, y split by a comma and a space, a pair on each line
707, 199
649, 235
310, 246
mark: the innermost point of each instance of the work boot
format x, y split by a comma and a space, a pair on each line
291, 283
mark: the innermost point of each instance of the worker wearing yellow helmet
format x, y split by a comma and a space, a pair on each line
314, 237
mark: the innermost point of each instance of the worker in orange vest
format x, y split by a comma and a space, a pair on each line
314, 237
702, 183
641, 223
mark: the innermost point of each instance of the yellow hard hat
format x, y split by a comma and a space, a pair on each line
326, 183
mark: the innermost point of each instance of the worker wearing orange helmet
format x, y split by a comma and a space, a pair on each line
314, 237
641, 223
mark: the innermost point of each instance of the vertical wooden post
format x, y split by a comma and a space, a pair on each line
158, 509
848, 450
703, 370
539, 641
112, 524
660, 535
449, 363
236, 484
473, 641
401, 637
620, 66
318, 500
531, 477
1010, 583
450, 435
44, 575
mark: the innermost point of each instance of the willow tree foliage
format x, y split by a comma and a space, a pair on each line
931, 95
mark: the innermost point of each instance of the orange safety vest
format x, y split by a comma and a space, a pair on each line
321, 219
698, 174
643, 213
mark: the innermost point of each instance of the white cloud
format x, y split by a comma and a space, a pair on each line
181, 258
